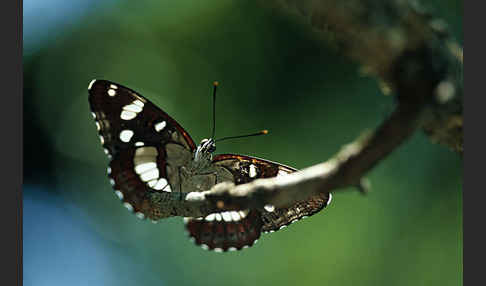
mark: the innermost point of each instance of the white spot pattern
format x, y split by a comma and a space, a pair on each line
160, 126
252, 171
210, 217
227, 216
111, 92
128, 206
145, 162
127, 115
126, 135
91, 84
119, 194
269, 208
141, 168
130, 111
150, 175
162, 184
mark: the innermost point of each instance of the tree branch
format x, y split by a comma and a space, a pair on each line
411, 54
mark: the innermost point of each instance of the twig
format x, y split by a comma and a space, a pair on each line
410, 52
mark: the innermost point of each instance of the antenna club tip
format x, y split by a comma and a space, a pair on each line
265, 131
216, 83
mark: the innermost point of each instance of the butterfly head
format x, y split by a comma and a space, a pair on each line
204, 150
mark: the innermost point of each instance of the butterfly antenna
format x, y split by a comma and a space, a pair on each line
263, 132
215, 85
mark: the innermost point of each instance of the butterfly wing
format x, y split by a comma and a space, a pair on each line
246, 169
146, 146
218, 234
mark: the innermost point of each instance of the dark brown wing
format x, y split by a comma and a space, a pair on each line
141, 139
277, 218
214, 232
225, 231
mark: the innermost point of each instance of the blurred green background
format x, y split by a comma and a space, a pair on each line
275, 74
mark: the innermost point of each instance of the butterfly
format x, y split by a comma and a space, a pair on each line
151, 153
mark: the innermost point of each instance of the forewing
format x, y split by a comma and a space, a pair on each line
145, 144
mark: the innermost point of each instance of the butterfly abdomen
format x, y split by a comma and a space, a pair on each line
226, 231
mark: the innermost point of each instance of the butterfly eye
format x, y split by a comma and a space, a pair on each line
212, 148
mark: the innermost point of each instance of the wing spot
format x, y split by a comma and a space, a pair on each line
144, 167
269, 208
108, 170
126, 135
112, 182
162, 184
210, 217
93, 114
226, 216
243, 213
119, 194
139, 143
152, 183
98, 127
204, 246
111, 92
130, 111
127, 115
150, 175
102, 140
91, 84
160, 126
252, 171
113, 86
218, 217
217, 249
128, 206
235, 215
106, 151
232, 249
139, 103
330, 199
140, 215
133, 108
